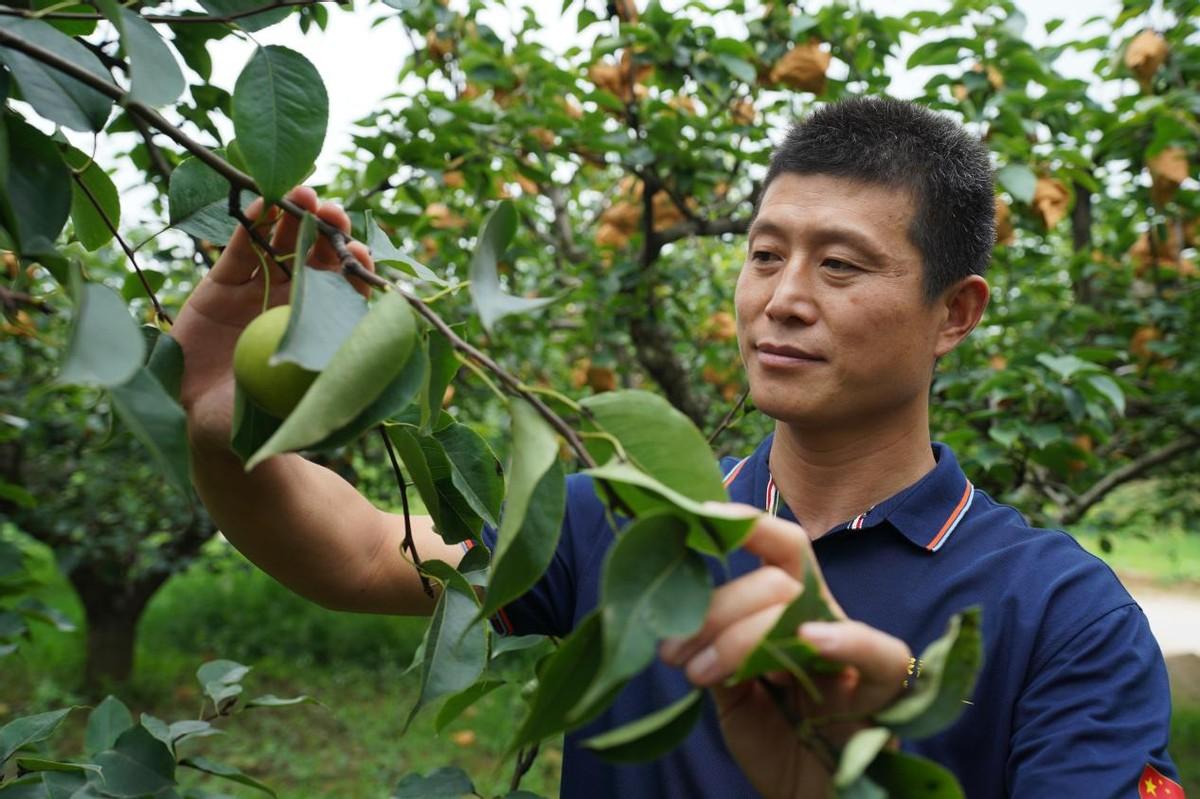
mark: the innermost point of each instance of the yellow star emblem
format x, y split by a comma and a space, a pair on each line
1151, 788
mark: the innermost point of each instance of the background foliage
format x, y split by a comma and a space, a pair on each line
632, 156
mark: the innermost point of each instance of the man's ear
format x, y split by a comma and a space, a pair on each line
962, 305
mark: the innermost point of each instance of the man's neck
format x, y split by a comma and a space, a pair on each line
826, 478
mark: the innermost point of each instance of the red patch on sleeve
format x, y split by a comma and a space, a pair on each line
1153, 785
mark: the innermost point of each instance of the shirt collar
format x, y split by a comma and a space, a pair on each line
926, 512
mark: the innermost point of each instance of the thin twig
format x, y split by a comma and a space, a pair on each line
339, 240
170, 19
235, 210
737, 406
159, 312
409, 543
525, 759
13, 300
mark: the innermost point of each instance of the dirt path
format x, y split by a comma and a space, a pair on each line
1174, 614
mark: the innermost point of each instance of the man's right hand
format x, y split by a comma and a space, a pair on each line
242, 284
299, 522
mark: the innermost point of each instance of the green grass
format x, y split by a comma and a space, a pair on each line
1185, 746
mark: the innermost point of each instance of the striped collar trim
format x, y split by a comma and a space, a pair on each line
927, 513
956, 516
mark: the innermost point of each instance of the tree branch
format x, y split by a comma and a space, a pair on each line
1130, 471
14, 300
170, 19
339, 240
702, 227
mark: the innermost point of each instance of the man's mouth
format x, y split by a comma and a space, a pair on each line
784, 355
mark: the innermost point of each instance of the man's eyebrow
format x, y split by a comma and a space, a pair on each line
826, 234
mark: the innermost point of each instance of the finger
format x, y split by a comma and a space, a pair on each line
721, 658
878, 657
360, 251
324, 256
748, 594
787, 545
284, 239
239, 262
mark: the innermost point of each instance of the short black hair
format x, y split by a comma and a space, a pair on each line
901, 144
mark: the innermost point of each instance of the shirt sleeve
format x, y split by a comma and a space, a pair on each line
549, 606
1095, 714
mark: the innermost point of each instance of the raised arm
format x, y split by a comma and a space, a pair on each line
299, 522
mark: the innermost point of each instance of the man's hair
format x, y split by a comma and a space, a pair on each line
900, 144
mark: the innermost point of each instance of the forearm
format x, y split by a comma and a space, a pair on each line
313, 531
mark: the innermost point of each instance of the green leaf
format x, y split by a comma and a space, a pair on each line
781, 649
652, 587
905, 776
713, 530
1108, 387
533, 510
138, 764
166, 364
426, 463
280, 112
198, 201
221, 680
474, 470
29, 730
29, 786
52, 94
447, 782
384, 252
453, 707
739, 68
361, 369
90, 188
325, 310
443, 365
158, 421
182, 730
650, 736
862, 788
455, 646
106, 347
36, 197
1019, 181
858, 753
949, 668
106, 723
270, 700
225, 772
250, 22
658, 439
561, 682
37, 610
1065, 366
252, 426
156, 79
491, 301
396, 397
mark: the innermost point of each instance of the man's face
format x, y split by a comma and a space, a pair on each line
833, 325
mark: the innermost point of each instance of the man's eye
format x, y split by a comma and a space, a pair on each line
761, 256
838, 266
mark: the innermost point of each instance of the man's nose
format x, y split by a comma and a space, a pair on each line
793, 298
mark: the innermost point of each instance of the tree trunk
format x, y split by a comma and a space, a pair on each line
111, 641
112, 609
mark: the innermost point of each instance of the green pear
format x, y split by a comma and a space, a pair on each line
274, 388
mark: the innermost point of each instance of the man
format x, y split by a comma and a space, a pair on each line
864, 266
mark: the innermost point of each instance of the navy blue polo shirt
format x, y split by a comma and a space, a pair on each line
1072, 699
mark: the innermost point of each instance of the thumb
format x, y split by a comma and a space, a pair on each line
881, 659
